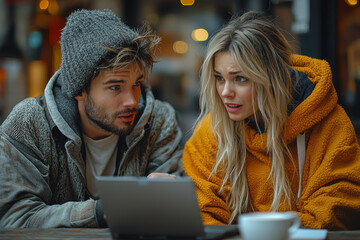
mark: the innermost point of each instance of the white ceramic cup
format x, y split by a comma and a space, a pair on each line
268, 226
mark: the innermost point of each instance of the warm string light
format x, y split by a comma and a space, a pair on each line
187, 2
180, 47
200, 35
44, 4
52, 6
351, 2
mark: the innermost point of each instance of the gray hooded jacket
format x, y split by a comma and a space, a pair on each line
42, 166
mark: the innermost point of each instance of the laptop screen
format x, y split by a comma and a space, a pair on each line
138, 206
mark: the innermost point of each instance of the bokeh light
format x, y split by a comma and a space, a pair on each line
351, 2
187, 2
54, 8
200, 34
180, 47
44, 4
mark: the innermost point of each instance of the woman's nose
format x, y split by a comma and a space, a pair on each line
228, 90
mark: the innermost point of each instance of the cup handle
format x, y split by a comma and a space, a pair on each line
296, 222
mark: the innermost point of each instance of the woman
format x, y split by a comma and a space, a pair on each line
262, 109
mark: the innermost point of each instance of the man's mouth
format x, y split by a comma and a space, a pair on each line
127, 117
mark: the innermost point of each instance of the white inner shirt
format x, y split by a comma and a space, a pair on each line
100, 159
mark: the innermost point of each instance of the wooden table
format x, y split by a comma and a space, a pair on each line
55, 233
104, 234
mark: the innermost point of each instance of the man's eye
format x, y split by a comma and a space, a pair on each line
114, 87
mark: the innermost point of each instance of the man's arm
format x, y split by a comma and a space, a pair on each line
166, 152
27, 181
26, 195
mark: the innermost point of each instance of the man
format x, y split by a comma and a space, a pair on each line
96, 117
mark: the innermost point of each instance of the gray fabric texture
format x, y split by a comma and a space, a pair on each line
83, 39
42, 169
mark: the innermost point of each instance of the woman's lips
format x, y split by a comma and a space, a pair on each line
231, 108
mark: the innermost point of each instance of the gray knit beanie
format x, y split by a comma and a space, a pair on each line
81, 40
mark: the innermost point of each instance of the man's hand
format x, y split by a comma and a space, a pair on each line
161, 175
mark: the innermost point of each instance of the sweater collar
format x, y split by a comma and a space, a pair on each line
315, 97
302, 88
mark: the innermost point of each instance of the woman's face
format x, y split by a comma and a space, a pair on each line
233, 87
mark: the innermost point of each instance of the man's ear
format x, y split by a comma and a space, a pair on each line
81, 96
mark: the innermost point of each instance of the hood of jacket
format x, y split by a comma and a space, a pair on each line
314, 98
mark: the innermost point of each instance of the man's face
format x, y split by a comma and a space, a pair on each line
111, 104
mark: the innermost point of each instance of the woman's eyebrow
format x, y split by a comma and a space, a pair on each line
231, 73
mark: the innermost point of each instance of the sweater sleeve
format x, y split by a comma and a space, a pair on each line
26, 194
331, 179
198, 160
166, 137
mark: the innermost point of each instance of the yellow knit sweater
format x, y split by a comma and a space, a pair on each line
330, 196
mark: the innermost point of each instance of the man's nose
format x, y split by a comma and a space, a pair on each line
130, 100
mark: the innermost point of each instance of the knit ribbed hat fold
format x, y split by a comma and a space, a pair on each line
83, 39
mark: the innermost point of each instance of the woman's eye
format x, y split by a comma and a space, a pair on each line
240, 79
137, 84
218, 78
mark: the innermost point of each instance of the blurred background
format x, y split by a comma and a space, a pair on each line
324, 29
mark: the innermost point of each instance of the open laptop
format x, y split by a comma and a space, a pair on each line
157, 208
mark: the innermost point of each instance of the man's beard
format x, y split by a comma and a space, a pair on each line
104, 121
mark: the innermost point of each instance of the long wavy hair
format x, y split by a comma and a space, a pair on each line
258, 46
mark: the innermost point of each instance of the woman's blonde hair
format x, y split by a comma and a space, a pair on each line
264, 55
